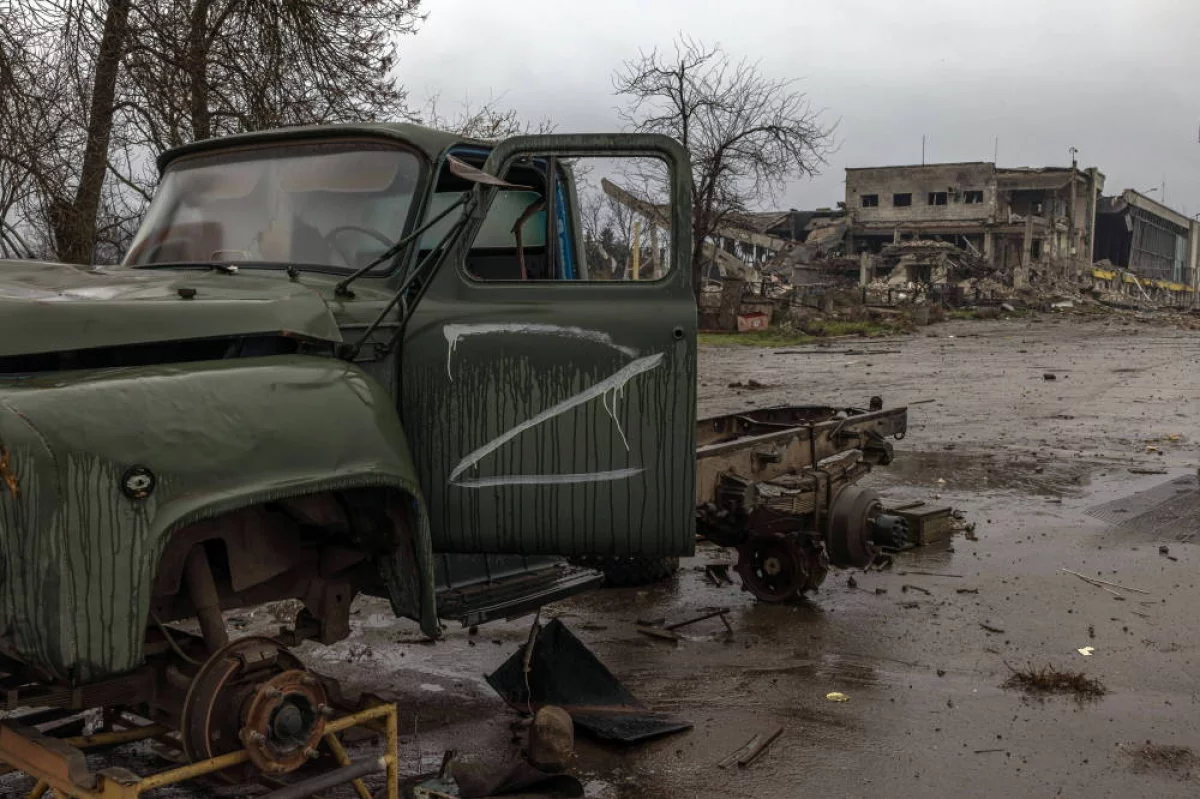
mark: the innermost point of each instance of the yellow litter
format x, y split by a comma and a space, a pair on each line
837, 696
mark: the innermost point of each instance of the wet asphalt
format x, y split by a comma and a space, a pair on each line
922, 650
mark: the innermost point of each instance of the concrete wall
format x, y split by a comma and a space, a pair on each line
1192, 277
920, 181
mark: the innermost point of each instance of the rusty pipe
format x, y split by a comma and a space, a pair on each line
202, 589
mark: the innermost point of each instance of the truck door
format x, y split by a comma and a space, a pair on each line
549, 368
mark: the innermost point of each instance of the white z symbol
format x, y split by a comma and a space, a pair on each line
609, 389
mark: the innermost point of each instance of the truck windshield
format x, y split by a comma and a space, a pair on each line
332, 205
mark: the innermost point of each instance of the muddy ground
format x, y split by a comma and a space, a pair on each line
1026, 458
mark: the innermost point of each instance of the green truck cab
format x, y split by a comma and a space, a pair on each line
330, 353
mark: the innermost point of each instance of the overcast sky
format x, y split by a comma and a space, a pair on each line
1117, 80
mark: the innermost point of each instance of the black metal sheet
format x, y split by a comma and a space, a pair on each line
565, 673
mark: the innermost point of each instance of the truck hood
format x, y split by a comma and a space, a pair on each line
50, 307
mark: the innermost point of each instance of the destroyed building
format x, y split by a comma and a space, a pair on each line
1025, 223
1145, 249
804, 242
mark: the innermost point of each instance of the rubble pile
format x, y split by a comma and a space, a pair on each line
935, 262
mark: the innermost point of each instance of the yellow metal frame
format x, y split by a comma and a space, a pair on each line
50, 766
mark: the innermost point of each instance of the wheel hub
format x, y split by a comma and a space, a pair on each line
254, 694
773, 567
284, 721
851, 525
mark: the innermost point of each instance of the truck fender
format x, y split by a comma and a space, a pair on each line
101, 467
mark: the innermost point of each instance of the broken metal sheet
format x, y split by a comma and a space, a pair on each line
564, 672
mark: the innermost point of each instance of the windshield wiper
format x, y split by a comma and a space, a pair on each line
342, 289
427, 264
227, 268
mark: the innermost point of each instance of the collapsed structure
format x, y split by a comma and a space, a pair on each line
1024, 223
957, 232
1145, 249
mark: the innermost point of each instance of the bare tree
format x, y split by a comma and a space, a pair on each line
203, 68
59, 69
747, 134
91, 90
488, 120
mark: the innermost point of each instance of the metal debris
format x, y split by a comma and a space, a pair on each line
757, 750
1105, 583
564, 672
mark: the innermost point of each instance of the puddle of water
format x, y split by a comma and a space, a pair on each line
986, 472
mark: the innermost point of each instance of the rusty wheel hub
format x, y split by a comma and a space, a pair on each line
851, 526
255, 694
284, 721
773, 567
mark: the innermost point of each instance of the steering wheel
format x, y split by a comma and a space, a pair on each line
331, 239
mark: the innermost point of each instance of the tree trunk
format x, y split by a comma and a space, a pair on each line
75, 225
197, 68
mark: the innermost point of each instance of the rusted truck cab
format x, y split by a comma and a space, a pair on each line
328, 354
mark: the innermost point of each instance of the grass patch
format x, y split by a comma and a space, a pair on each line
865, 328
1049, 680
771, 337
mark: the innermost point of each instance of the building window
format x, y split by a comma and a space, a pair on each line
870, 201
902, 200
937, 198
973, 197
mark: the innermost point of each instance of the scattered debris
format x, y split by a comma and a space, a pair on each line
659, 628
473, 780
837, 696
926, 523
657, 632
1105, 584
1049, 680
740, 752
1049, 376
991, 629
750, 751
551, 739
931, 574
823, 351
563, 672
1086, 651
910, 587
1140, 470
709, 614
966, 591
718, 573
751, 384
757, 751
1179, 760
